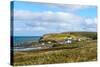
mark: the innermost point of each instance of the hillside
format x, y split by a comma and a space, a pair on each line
86, 51
81, 51
62, 36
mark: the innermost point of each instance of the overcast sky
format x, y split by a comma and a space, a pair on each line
36, 19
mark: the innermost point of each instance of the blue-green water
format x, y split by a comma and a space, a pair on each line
21, 39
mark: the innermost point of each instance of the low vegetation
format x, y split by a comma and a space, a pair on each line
82, 51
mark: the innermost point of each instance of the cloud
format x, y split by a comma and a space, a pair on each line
91, 21
47, 16
91, 24
49, 21
69, 7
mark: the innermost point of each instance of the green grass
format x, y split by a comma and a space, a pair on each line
84, 51
59, 36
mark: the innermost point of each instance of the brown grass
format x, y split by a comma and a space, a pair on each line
85, 51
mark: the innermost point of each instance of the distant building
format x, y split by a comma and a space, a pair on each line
49, 42
68, 41
79, 39
43, 43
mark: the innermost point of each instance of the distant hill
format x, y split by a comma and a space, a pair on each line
63, 35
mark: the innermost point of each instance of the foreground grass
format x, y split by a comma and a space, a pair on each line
84, 51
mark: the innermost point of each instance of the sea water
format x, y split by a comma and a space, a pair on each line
18, 40
21, 39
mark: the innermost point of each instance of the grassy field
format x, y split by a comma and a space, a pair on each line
76, 52
61, 36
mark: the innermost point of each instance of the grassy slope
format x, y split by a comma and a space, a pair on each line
86, 51
61, 36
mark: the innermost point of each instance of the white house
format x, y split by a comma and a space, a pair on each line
79, 39
43, 43
68, 40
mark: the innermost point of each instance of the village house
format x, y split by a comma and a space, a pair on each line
68, 41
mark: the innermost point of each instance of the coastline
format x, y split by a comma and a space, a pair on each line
26, 49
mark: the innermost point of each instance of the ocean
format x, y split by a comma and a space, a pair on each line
21, 39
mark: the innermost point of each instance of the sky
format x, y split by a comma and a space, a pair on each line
36, 19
